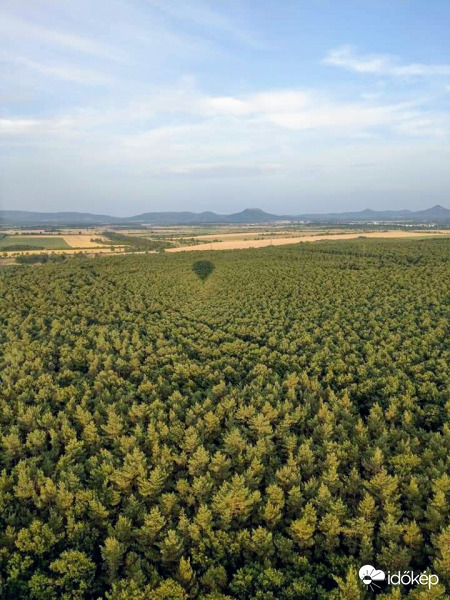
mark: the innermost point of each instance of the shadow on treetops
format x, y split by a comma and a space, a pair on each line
203, 268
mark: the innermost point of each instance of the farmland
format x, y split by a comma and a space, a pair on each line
243, 242
29, 242
84, 241
249, 424
170, 239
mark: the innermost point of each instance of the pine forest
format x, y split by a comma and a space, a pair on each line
251, 424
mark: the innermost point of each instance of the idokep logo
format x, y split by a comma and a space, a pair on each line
370, 576
408, 578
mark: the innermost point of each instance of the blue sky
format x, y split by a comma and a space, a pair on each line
126, 106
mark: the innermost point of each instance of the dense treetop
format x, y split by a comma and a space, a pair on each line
259, 433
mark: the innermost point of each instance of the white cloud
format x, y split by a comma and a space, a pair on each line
18, 126
307, 111
339, 117
181, 133
227, 105
263, 103
381, 64
173, 114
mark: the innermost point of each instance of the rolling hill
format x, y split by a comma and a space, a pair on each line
435, 214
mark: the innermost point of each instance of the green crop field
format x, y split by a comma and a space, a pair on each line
252, 424
14, 242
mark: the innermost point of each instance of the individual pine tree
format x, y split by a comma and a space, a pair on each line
171, 547
349, 588
153, 524
302, 530
112, 553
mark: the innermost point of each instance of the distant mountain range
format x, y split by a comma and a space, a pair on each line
436, 214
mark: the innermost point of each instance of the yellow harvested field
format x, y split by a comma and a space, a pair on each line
242, 244
82, 241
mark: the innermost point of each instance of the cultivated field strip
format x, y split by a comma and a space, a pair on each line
243, 244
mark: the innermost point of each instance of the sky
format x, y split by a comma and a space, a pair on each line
126, 106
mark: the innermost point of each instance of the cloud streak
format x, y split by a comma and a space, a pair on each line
64, 72
13, 28
211, 21
382, 64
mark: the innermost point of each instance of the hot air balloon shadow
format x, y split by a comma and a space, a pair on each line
203, 268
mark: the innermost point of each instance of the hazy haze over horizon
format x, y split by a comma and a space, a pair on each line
124, 107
